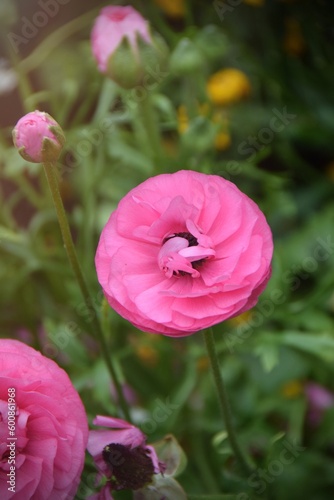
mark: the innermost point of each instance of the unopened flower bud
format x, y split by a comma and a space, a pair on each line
38, 137
124, 47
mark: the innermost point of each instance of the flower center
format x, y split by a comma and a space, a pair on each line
131, 468
183, 253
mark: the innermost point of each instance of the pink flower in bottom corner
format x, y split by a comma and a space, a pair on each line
183, 252
121, 455
44, 422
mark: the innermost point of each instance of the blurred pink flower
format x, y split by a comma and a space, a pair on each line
114, 24
51, 427
182, 252
121, 454
319, 399
38, 137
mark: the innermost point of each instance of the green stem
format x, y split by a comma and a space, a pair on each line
24, 84
50, 172
224, 404
150, 124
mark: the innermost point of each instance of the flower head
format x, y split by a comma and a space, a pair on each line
38, 137
182, 252
123, 45
121, 454
50, 428
113, 24
227, 86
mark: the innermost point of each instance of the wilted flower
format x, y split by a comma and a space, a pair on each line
38, 137
123, 45
227, 86
40, 408
121, 454
182, 252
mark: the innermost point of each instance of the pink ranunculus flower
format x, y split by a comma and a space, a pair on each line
40, 408
121, 454
182, 252
113, 25
38, 137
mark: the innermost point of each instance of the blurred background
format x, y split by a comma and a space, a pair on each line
248, 95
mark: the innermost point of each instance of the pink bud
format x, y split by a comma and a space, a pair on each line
112, 25
38, 137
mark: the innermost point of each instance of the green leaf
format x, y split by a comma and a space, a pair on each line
162, 487
321, 345
171, 454
269, 356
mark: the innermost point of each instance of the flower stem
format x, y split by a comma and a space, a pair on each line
151, 126
50, 172
224, 404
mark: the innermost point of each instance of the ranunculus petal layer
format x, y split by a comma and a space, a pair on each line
183, 252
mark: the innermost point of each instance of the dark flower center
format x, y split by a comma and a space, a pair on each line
182, 254
192, 243
131, 468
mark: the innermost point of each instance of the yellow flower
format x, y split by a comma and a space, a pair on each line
227, 86
241, 319
183, 120
202, 364
294, 43
255, 3
147, 354
172, 8
222, 139
292, 389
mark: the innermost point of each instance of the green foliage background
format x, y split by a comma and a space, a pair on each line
268, 357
